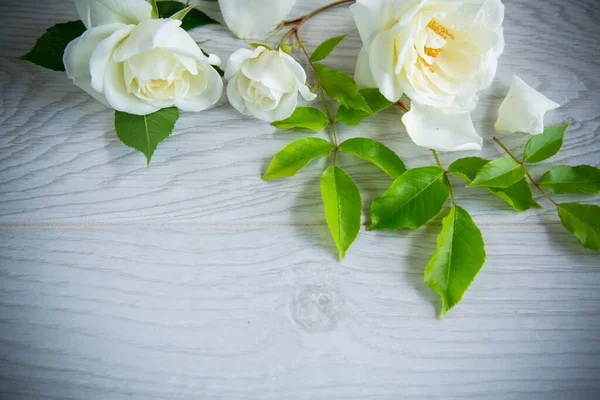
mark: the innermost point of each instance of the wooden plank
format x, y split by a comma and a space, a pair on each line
235, 312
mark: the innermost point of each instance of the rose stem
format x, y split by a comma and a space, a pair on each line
439, 163
303, 18
526, 171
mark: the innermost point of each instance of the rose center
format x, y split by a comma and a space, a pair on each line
435, 36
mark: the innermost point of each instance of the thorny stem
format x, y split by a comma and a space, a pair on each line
439, 163
510, 153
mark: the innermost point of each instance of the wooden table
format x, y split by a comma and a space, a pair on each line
194, 279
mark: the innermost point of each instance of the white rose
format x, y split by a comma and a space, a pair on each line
142, 68
254, 19
439, 53
265, 83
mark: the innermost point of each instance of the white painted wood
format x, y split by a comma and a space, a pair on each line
192, 278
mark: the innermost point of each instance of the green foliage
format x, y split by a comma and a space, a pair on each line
376, 102
376, 153
325, 48
583, 221
145, 132
155, 13
459, 256
541, 147
343, 207
413, 199
50, 47
518, 195
193, 19
342, 88
295, 156
304, 117
499, 173
565, 179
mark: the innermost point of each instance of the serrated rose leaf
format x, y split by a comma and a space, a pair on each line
325, 48
583, 221
541, 147
566, 179
499, 173
459, 257
376, 101
376, 153
194, 18
304, 117
295, 156
145, 132
414, 198
343, 207
342, 88
518, 195
50, 47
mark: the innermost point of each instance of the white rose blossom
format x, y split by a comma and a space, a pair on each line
254, 19
265, 83
440, 53
139, 65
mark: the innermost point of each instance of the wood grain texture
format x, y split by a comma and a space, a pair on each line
193, 278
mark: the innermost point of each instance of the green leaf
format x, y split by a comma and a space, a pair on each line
325, 48
414, 198
342, 88
566, 179
145, 132
256, 45
304, 117
343, 207
376, 153
583, 221
155, 13
541, 147
518, 195
500, 173
295, 156
376, 102
459, 257
194, 18
50, 47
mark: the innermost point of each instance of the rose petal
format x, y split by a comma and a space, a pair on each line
101, 12
159, 33
78, 53
206, 89
270, 70
102, 56
441, 130
523, 109
254, 19
117, 95
238, 58
299, 74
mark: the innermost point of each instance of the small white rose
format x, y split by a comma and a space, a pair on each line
441, 130
440, 54
265, 83
140, 69
523, 109
101, 12
254, 19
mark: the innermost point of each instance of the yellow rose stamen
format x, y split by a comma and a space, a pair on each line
431, 52
440, 29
